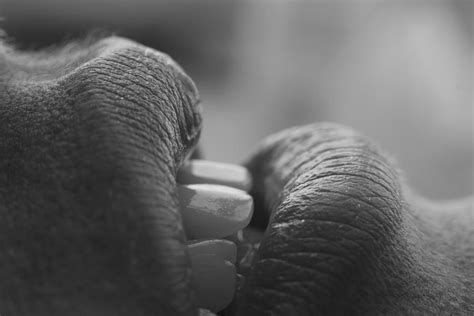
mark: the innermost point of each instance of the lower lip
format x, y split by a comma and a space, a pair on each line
248, 241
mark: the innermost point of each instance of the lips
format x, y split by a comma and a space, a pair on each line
93, 223
310, 236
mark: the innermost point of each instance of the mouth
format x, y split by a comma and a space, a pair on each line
216, 209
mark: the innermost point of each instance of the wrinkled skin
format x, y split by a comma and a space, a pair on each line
89, 211
91, 137
346, 237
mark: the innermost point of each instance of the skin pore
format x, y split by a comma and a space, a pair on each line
103, 214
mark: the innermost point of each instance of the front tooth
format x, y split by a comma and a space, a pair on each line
213, 211
214, 280
205, 312
225, 249
204, 171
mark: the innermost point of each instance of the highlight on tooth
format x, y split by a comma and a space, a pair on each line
213, 211
205, 312
205, 171
224, 249
214, 281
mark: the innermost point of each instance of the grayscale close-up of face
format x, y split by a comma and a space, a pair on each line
234, 158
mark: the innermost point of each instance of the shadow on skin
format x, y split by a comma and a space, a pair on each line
92, 136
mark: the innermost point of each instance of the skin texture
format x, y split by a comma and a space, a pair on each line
91, 138
346, 237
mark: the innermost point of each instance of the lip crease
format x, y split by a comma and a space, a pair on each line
247, 241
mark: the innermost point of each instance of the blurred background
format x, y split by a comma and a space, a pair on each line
400, 72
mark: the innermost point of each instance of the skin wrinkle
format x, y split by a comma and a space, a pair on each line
306, 156
177, 85
323, 245
112, 167
149, 95
93, 145
338, 192
116, 82
342, 209
332, 147
319, 147
336, 155
288, 150
260, 303
366, 198
343, 252
339, 224
318, 183
321, 231
333, 275
362, 159
152, 225
192, 134
323, 257
165, 130
284, 297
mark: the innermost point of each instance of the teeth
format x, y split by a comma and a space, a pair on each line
213, 211
214, 280
205, 312
214, 204
224, 249
204, 171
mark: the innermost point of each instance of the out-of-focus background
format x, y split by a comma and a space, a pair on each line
399, 71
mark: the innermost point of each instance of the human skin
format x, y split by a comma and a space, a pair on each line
345, 235
92, 136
